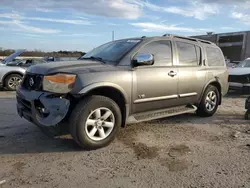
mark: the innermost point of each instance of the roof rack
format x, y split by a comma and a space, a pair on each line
188, 38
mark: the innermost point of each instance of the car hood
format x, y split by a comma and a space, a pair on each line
77, 67
239, 71
13, 56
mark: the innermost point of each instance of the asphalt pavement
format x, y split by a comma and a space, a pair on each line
184, 151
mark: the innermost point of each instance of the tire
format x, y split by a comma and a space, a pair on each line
246, 116
12, 81
88, 109
204, 109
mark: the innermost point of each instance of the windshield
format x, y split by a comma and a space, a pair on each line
14, 62
25, 62
111, 52
245, 63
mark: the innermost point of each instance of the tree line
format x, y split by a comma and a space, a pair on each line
37, 53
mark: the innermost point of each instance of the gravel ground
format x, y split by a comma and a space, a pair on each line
182, 151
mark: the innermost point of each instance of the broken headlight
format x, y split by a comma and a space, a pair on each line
59, 83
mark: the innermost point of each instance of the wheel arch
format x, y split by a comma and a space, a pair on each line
112, 91
215, 82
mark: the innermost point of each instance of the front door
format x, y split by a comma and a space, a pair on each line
155, 86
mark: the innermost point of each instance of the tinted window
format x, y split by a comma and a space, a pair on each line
161, 50
245, 63
214, 57
111, 52
189, 54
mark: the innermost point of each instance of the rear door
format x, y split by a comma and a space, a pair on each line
192, 72
154, 87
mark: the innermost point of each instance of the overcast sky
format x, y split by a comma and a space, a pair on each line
83, 24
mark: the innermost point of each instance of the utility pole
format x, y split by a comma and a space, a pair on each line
113, 35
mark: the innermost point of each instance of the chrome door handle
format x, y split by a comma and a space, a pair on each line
172, 73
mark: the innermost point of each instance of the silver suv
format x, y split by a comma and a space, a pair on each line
122, 82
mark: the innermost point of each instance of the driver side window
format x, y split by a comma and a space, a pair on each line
161, 50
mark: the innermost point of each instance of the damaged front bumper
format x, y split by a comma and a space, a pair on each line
239, 82
41, 108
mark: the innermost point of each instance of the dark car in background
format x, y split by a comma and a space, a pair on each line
51, 58
239, 76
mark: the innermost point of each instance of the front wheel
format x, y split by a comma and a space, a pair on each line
95, 122
209, 102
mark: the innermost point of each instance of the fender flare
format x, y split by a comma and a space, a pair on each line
214, 80
93, 86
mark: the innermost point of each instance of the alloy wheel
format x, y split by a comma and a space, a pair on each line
211, 101
14, 82
100, 124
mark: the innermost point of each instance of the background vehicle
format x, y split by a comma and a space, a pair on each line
50, 58
11, 76
239, 76
26, 62
122, 82
12, 70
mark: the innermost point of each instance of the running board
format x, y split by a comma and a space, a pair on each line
158, 114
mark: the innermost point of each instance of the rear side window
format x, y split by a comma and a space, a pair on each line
161, 50
214, 57
189, 54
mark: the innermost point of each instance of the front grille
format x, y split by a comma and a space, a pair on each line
239, 78
32, 82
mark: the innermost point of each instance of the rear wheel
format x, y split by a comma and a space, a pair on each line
13, 81
209, 103
95, 122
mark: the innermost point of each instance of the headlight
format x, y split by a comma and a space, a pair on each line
59, 83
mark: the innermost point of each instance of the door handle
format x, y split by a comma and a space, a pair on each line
172, 73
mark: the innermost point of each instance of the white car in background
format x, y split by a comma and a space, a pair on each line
239, 76
12, 71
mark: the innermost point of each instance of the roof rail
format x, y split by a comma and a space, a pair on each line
188, 38
205, 41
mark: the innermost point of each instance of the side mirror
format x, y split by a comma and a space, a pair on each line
144, 59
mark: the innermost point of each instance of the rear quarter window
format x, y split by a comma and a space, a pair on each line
214, 57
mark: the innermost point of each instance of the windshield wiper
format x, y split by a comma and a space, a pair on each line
95, 58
